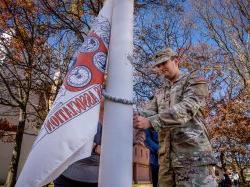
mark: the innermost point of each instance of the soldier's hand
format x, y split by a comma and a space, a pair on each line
140, 137
98, 149
135, 116
141, 122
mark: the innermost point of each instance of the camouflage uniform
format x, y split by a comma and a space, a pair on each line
176, 112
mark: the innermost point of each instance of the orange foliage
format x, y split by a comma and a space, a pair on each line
7, 130
21, 18
232, 121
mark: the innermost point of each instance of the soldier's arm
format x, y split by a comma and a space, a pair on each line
194, 99
150, 108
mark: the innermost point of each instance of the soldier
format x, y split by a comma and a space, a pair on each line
176, 112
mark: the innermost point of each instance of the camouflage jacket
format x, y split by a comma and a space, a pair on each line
176, 112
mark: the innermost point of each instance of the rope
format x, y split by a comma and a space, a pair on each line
118, 100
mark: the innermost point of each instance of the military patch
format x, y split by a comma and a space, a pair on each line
200, 79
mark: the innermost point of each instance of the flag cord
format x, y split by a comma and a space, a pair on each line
118, 100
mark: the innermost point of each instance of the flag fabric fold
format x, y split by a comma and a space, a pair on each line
68, 131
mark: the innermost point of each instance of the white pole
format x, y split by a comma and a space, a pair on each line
116, 152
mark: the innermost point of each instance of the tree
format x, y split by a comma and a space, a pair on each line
227, 24
71, 18
227, 113
18, 74
229, 129
158, 24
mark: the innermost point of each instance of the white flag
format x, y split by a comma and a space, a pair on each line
68, 131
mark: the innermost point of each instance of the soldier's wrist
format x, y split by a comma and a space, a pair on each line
149, 125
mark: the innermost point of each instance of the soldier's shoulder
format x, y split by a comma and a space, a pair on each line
197, 84
195, 78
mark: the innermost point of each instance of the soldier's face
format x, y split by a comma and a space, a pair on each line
169, 68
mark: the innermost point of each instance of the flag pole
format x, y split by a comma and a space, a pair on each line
116, 151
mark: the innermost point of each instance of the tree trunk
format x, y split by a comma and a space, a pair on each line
242, 177
12, 172
222, 159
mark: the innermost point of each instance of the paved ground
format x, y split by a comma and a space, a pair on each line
135, 185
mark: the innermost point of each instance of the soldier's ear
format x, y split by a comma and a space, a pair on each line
177, 61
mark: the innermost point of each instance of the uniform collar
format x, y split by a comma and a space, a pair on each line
168, 83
